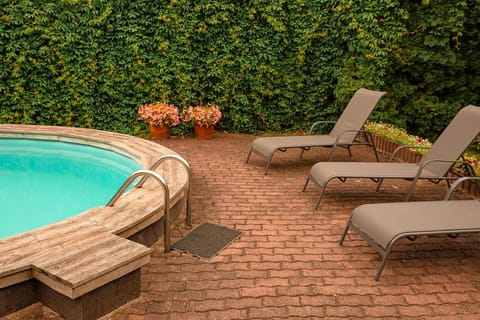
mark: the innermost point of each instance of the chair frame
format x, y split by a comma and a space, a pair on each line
367, 139
384, 252
425, 168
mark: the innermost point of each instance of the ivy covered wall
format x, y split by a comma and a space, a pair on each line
270, 65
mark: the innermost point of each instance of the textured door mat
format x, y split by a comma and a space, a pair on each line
206, 240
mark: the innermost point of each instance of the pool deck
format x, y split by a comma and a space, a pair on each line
288, 264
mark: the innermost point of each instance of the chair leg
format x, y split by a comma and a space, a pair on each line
330, 158
269, 161
320, 198
345, 231
249, 154
376, 153
379, 184
410, 190
385, 254
303, 151
322, 191
380, 268
306, 184
349, 151
470, 172
477, 183
371, 144
267, 166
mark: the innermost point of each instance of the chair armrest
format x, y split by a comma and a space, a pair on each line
455, 185
423, 166
427, 163
345, 132
317, 123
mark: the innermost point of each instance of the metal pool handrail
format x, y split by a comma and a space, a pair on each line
188, 218
166, 203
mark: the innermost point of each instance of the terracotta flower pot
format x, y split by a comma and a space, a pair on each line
203, 133
159, 133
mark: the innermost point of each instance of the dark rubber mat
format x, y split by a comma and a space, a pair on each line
206, 240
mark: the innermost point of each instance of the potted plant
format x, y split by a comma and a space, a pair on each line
204, 118
160, 117
387, 138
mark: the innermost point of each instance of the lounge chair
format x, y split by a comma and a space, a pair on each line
383, 224
434, 165
343, 134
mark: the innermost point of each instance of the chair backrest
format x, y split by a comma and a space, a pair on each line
454, 140
356, 114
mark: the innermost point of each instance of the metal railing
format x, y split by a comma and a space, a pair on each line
145, 174
166, 203
188, 218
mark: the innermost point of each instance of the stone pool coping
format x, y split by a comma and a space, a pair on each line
83, 253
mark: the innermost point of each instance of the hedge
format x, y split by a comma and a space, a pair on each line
271, 66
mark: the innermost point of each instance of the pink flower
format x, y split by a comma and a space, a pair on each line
159, 114
204, 116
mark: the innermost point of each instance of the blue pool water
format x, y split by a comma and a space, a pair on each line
42, 181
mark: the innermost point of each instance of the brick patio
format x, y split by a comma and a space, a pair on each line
288, 264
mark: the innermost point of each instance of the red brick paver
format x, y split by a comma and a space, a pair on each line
288, 264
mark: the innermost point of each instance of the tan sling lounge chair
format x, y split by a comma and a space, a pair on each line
383, 224
343, 134
434, 165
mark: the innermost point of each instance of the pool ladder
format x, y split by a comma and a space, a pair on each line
145, 174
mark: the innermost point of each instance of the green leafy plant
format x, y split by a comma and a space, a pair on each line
274, 66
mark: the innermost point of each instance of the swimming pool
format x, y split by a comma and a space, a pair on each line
90, 263
47, 181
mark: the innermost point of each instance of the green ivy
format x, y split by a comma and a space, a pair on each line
270, 66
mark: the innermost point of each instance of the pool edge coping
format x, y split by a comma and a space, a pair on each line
13, 270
